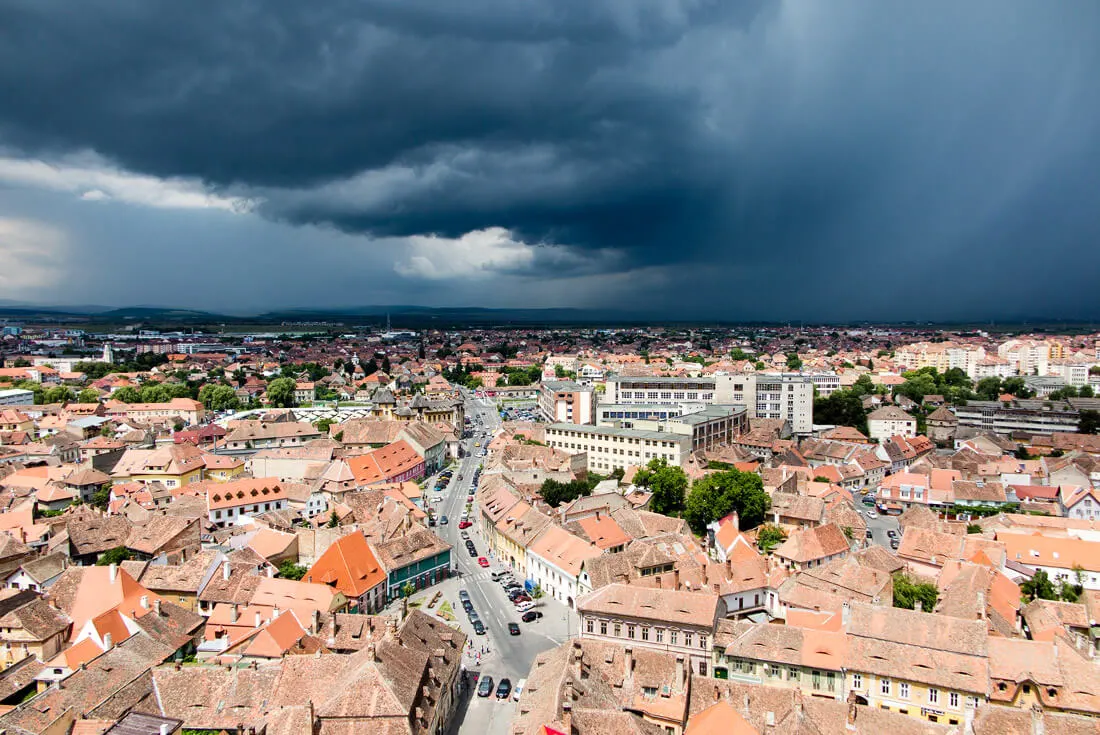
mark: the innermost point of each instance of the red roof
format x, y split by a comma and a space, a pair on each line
385, 464
349, 565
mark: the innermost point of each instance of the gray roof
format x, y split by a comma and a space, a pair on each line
710, 413
561, 386
670, 380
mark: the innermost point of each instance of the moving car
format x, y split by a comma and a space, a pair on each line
464, 524
513, 629
530, 616
518, 689
482, 562
871, 514
504, 688
472, 551
485, 686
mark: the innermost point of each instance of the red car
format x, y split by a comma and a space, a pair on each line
482, 561
464, 524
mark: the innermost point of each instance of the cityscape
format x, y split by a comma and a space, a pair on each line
546, 530
513, 367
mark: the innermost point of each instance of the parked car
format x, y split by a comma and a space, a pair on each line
443, 520
504, 688
892, 533
871, 514
463, 595
869, 534
471, 551
894, 544
525, 606
499, 575
467, 606
464, 524
482, 562
485, 686
479, 628
513, 629
530, 616
521, 598
518, 689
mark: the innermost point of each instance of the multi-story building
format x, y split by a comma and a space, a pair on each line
187, 410
889, 421
609, 448
942, 356
554, 562
565, 401
1028, 357
786, 396
230, 501
671, 621
710, 427
825, 383
1032, 416
1071, 373
16, 397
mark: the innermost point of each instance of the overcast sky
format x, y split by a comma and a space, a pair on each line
694, 158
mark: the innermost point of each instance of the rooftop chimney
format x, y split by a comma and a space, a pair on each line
675, 579
845, 613
164, 728
567, 717
628, 662
315, 625
113, 572
270, 571
918, 605
259, 621
681, 674
108, 644
234, 613
144, 602
729, 566
225, 571
156, 606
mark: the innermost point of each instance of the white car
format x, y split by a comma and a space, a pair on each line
518, 690
871, 514
525, 606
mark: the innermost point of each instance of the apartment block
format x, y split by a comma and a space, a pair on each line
565, 401
1024, 415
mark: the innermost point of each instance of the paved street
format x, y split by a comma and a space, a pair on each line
879, 526
506, 655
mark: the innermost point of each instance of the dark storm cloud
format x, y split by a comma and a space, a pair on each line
785, 158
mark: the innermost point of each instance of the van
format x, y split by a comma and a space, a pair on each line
497, 576
525, 606
518, 690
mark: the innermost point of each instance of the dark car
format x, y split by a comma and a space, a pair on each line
894, 544
869, 534
467, 606
504, 688
472, 550
513, 629
479, 628
485, 686
530, 616
443, 520
892, 533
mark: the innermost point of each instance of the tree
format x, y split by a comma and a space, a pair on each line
101, 497
218, 397
667, 483
794, 362
323, 424
129, 394
116, 555
863, 386
1086, 391
57, 394
841, 408
907, 593
738, 354
769, 536
290, 570
555, 492
20, 362
1089, 421
1039, 586
717, 495
386, 364
88, 395
988, 389
333, 520
280, 392
1017, 387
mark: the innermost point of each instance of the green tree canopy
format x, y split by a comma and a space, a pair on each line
218, 397
841, 408
1089, 421
129, 394
116, 555
88, 395
907, 593
717, 495
280, 392
57, 394
1039, 586
667, 483
555, 492
290, 570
